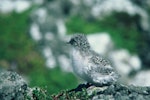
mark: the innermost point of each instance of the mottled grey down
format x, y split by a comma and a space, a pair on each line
89, 65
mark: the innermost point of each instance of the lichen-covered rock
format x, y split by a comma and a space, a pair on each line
12, 86
115, 91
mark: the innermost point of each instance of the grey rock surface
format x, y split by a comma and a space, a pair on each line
115, 91
12, 86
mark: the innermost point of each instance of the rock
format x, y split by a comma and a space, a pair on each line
12, 86
115, 91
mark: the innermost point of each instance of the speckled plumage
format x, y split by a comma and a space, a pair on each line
89, 65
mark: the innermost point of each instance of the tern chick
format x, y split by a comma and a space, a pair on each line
89, 65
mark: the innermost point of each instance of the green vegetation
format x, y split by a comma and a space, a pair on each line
38, 94
66, 95
53, 80
19, 50
120, 26
16, 45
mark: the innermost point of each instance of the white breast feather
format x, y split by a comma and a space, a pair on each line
80, 64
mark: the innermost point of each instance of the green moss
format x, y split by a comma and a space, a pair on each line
120, 26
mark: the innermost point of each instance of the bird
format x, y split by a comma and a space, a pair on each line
89, 65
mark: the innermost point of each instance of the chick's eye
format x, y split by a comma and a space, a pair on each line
72, 41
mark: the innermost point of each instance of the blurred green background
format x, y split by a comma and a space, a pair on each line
20, 53
120, 26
